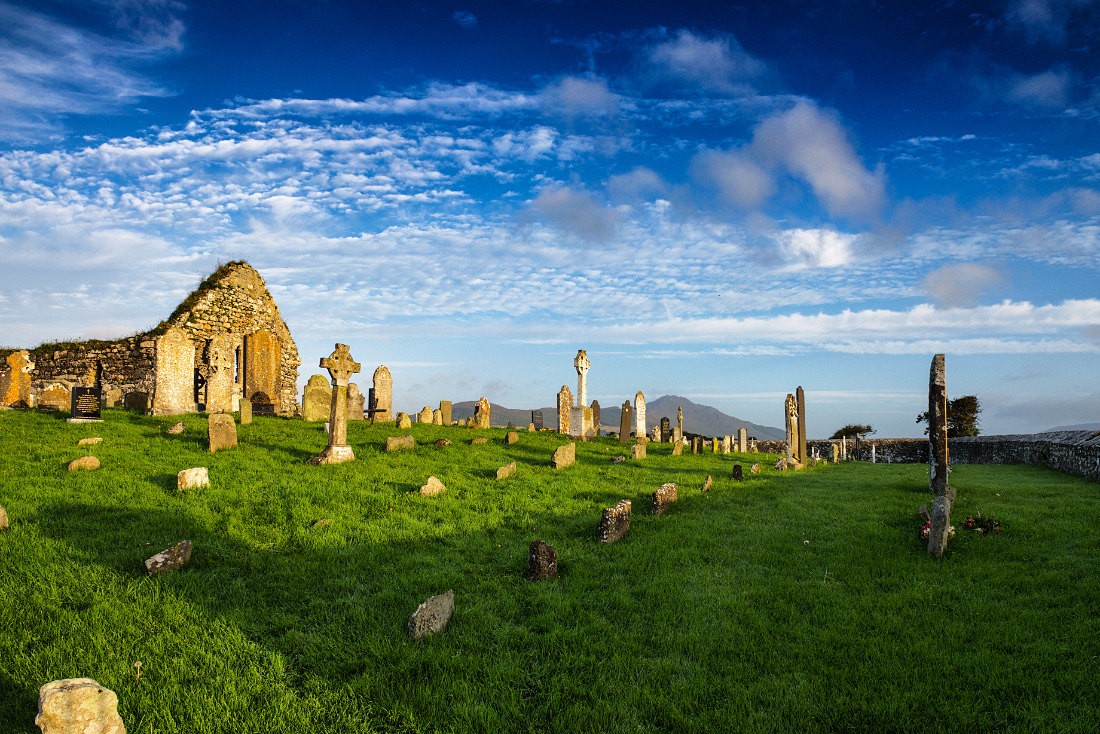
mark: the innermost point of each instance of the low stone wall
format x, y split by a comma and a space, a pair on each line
1072, 452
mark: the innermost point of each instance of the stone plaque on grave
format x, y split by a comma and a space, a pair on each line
85, 403
536, 419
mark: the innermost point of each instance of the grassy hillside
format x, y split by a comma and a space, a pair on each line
788, 602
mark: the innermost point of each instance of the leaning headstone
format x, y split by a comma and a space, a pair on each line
425, 415
738, 473
3, 518
84, 463
78, 706
176, 429
708, 483
399, 443
169, 559
614, 522
432, 487
678, 448
637, 451
664, 496
193, 478
507, 471
404, 421
432, 616
246, 412
511, 437
481, 412
542, 561
221, 431
564, 456
317, 399
89, 441
357, 403
341, 366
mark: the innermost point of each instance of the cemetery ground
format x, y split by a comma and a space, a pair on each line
794, 601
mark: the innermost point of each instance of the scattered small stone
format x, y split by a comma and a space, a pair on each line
221, 430
618, 459
322, 523
479, 441
78, 706
637, 451
177, 428
399, 443
84, 463
781, 464
443, 442
169, 559
564, 456
708, 483
542, 561
615, 522
193, 478
432, 488
511, 437
755, 468
507, 471
665, 495
432, 616
89, 441
3, 518
403, 420
738, 473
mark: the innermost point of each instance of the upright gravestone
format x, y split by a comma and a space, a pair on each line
666, 431
481, 413
316, 399
219, 374
940, 527
263, 355
790, 411
802, 457
174, 390
383, 393
221, 432
356, 403
639, 414
596, 417
742, 440
424, 416
246, 411
626, 420
437, 417
445, 407
15, 383
565, 409
85, 404
341, 367
537, 420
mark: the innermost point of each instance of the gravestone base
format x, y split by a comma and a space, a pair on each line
334, 455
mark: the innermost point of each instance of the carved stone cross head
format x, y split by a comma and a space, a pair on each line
340, 365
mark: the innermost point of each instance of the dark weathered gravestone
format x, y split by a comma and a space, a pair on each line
940, 529
666, 430
432, 616
261, 404
738, 474
614, 522
665, 495
136, 401
85, 403
626, 420
542, 561
800, 397
169, 559
596, 416
536, 418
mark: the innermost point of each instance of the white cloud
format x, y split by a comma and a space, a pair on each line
709, 64
816, 248
639, 184
961, 284
576, 212
574, 96
1047, 89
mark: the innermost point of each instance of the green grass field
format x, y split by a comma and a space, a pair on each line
797, 601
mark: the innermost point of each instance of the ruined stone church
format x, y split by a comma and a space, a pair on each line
225, 342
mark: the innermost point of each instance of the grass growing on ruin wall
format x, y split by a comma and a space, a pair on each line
794, 601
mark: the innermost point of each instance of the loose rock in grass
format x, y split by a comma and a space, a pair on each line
432, 616
755, 468
618, 459
89, 441
432, 488
169, 559
708, 483
176, 429
479, 441
3, 518
506, 471
399, 443
78, 705
84, 463
781, 464
542, 561
443, 442
194, 478
564, 456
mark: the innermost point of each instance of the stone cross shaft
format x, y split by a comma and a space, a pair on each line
340, 368
582, 364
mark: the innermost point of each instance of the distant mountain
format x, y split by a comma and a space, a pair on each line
1078, 427
701, 419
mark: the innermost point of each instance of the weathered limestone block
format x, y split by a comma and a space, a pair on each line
246, 412
481, 413
356, 402
665, 495
194, 478
511, 437
317, 399
169, 559
940, 530
403, 421
221, 431
399, 443
175, 373
637, 451
78, 706
564, 456
55, 396
542, 561
432, 616
443, 442
432, 487
445, 408
92, 441
84, 463
565, 410
219, 380
507, 471
614, 522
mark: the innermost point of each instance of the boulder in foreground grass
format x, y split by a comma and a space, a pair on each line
169, 559
432, 487
399, 443
78, 706
432, 616
507, 471
84, 463
194, 478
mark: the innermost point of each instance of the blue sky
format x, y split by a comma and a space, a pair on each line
716, 200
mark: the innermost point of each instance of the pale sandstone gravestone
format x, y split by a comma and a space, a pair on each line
432, 487
597, 416
626, 421
357, 403
614, 522
425, 415
836, 453
15, 383
479, 441
437, 417
639, 414
445, 407
564, 456
507, 471
938, 465
565, 409
263, 356
680, 419
175, 373
246, 412
790, 411
176, 429
316, 399
169, 559
637, 451
511, 437
383, 394
341, 366
742, 440
542, 561
404, 421
399, 443
219, 374
665, 495
221, 432
433, 616
678, 448
84, 463
481, 413
656, 435
78, 706
193, 478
